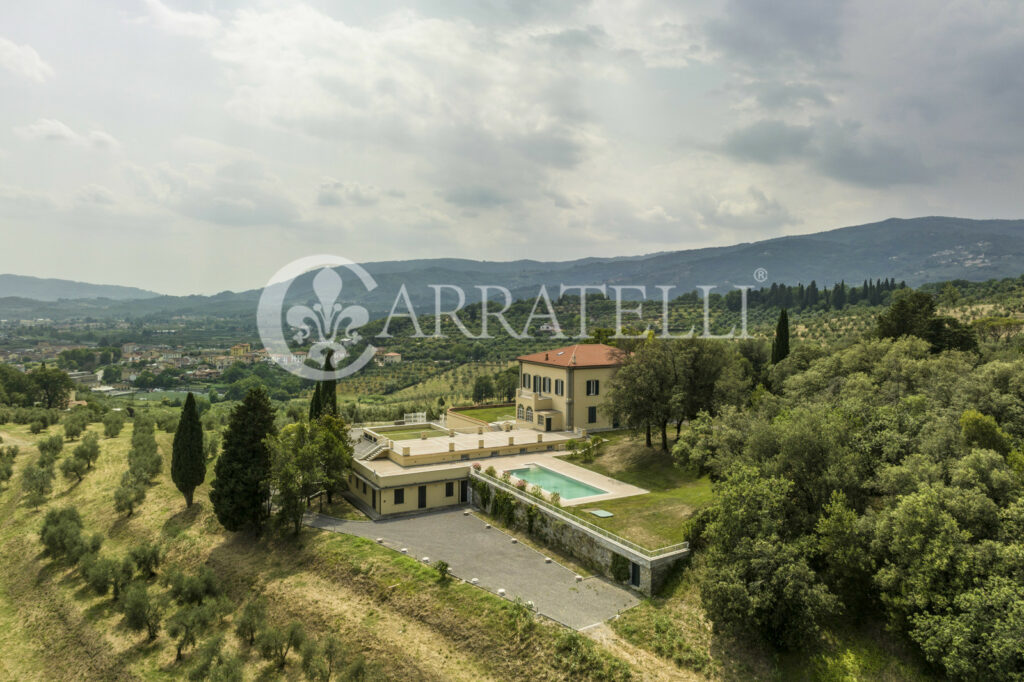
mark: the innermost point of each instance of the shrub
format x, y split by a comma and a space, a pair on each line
252, 620
504, 507
146, 557
556, 499
8, 453
88, 450
275, 643
193, 589
36, 427
578, 656
37, 480
620, 568
531, 518
61, 535
49, 448
141, 612
321, 661
73, 467
476, 466
129, 494
74, 424
96, 571
187, 623
491, 471
443, 572
113, 422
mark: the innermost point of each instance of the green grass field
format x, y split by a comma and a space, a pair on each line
657, 518
491, 414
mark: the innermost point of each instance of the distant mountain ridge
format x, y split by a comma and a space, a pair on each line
916, 250
45, 289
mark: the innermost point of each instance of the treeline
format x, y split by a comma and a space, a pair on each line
871, 292
46, 386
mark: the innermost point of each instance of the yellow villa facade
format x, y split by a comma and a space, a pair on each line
398, 472
563, 389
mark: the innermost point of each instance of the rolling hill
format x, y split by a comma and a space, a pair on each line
39, 289
915, 250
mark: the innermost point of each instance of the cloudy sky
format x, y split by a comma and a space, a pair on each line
189, 146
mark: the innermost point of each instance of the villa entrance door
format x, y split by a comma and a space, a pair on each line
547, 423
463, 491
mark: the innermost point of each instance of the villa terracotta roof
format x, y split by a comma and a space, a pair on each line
579, 355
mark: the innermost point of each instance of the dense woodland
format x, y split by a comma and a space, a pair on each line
881, 478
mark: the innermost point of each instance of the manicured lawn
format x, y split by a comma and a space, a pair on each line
655, 519
409, 434
491, 414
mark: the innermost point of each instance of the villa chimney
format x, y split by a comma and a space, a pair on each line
545, 356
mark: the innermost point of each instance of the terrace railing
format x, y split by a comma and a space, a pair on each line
571, 518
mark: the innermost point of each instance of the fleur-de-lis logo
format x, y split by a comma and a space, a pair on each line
326, 318
328, 324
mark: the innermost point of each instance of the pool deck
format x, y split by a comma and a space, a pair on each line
553, 460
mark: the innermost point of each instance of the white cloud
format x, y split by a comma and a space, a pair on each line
190, 24
52, 130
335, 193
23, 198
233, 193
96, 195
750, 210
24, 61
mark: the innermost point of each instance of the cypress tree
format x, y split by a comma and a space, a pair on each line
240, 488
314, 402
780, 345
188, 461
328, 390
325, 397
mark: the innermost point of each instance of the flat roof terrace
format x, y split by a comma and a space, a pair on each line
466, 442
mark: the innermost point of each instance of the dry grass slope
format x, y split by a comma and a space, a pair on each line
382, 605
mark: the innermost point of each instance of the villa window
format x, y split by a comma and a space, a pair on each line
526, 380
529, 414
593, 387
591, 415
540, 419
449, 489
400, 496
559, 387
547, 384
519, 412
536, 383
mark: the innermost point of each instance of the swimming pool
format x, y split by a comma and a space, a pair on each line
553, 482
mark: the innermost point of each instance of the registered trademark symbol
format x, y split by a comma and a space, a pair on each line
761, 275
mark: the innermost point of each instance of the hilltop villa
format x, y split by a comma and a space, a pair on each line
407, 467
562, 389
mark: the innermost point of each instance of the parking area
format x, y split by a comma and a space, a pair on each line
489, 555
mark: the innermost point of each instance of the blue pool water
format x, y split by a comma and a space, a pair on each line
554, 482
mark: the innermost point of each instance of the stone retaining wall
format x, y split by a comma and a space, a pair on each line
597, 552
